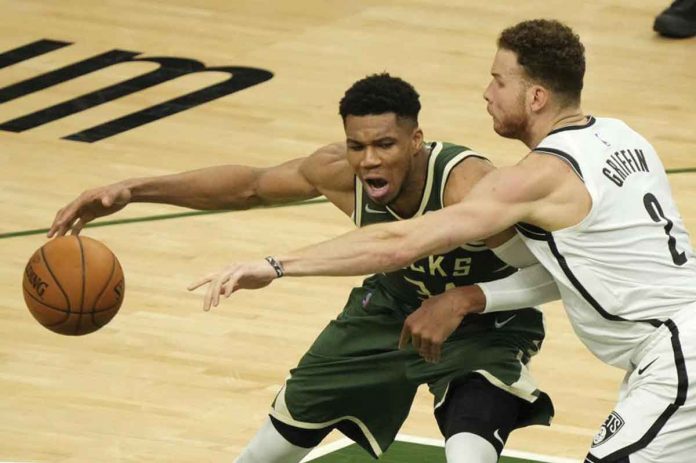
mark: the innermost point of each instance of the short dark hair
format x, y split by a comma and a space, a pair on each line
550, 53
379, 94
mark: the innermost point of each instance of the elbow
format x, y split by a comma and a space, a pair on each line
243, 200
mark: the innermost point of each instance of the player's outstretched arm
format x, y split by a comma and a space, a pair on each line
230, 187
501, 199
375, 248
541, 192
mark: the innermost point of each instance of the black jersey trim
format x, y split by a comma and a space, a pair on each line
585, 293
468, 153
539, 234
435, 150
682, 388
590, 121
564, 156
532, 231
682, 377
576, 283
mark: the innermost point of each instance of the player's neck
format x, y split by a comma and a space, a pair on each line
409, 199
546, 124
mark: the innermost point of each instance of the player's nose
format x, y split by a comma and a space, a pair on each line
371, 158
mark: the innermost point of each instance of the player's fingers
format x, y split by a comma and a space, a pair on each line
405, 337
218, 287
230, 287
200, 282
436, 352
207, 298
64, 228
77, 227
416, 341
431, 349
212, 294
55, 225
61, 224
424, 349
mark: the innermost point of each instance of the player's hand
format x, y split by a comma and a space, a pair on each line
436, 319
88, 206
244, 275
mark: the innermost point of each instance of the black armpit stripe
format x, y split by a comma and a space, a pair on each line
539, 234
563, 155
576, 283
532, 232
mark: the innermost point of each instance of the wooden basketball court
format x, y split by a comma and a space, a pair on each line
166, 382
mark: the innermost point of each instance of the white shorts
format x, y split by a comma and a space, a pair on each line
655, 418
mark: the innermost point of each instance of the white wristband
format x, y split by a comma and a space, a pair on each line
526, 288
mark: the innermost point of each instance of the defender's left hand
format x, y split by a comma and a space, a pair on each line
245, 275
436, 319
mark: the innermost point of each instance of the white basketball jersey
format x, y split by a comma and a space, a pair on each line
629, 264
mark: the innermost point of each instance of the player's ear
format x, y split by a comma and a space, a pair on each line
537, 97
417, 139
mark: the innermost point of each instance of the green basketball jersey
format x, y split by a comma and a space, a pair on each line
468, 264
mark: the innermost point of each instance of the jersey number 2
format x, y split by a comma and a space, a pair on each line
655, 210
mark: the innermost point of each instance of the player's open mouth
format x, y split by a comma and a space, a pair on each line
377, 188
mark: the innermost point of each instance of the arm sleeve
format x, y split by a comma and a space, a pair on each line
515, 253
528, 287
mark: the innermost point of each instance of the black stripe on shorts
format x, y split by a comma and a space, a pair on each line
622, 455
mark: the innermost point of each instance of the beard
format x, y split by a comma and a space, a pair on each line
513, 124
512, 127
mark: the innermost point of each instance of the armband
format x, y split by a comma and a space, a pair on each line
526, 288
277, 266
515, 253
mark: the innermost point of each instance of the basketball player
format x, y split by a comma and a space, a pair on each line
593, 203
354, 377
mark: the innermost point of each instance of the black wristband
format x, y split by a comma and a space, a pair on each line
277, 266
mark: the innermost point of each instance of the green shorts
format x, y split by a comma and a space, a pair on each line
355, 371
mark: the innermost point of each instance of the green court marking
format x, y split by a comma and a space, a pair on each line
399, 452
681, 171
152, 218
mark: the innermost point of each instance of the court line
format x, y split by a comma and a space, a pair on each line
681, 171
152, 218
344, 442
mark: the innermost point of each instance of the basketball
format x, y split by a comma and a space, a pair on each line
73, 285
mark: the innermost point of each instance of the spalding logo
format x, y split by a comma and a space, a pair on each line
36, 282
611, 426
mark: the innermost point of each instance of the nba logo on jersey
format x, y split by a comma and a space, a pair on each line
611, 426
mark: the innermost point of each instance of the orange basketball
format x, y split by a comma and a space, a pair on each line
73, 285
